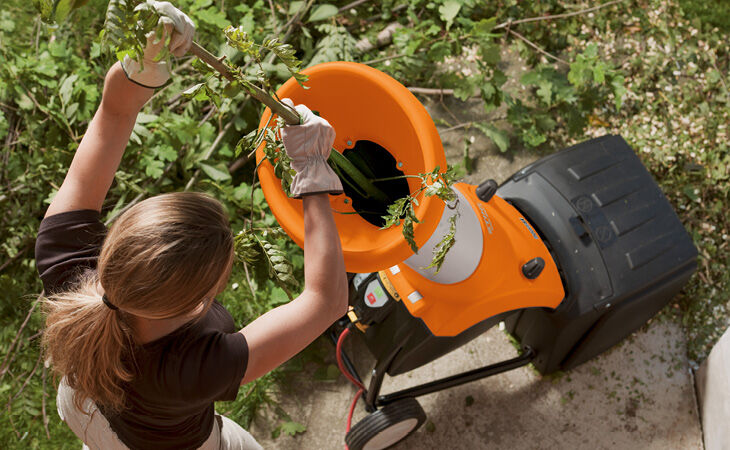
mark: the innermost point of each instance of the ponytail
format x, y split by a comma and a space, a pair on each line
160, 259
89, 343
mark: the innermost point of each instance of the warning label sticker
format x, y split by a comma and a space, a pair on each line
375, 296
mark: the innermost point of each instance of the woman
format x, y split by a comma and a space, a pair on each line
132, 324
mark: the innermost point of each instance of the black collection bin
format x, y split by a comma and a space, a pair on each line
621, 249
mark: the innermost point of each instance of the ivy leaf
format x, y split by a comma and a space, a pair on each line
448, 11
322, 12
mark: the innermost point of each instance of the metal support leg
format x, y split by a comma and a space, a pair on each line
455, 380
376, 381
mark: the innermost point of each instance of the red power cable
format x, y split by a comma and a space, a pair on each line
348, 375
338, 352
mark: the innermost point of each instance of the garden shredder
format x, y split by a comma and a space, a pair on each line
573, 252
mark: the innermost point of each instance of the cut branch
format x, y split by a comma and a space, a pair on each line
556, 16
431, 91
535, 46
20, 253
385, 58
8, 360
27, 380
43, 402
354, 4
385, 37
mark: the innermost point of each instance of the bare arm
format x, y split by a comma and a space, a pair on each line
283, 332
100, 152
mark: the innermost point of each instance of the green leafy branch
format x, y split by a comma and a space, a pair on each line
434, 183
126, 29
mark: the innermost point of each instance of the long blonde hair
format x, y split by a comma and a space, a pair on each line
160, 259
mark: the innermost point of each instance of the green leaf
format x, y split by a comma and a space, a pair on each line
146, 118
153, 167
499, 137
330, 372
213, 16
617, 85
66, 88
193, 91
322, 12
217, 173
465, 87
294, 7
278, 297
290, 428
57, 10
545, 92
448, 11
443, 247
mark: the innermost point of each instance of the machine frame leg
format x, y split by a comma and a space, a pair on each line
373, 400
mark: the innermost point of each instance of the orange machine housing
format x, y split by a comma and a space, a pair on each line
496, 286
363, 103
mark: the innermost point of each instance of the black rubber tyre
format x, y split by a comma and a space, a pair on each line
386, 426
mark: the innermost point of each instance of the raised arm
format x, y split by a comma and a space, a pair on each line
127, 87
283, 332
97, 158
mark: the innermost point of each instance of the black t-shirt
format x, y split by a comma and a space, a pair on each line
177, 377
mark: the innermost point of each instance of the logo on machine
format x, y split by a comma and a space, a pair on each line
529, 228
487, 220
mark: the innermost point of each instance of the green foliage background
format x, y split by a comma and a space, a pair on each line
641, 68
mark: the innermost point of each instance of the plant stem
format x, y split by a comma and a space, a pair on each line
292, 118
337, 159
288, 114
556, 16
399, 177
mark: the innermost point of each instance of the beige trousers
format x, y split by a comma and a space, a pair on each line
94, 431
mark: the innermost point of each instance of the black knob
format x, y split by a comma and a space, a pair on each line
486, 190
533, 268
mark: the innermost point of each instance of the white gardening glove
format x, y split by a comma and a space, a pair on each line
154, 73
309, 145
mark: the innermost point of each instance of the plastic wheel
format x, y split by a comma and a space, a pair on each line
386, 426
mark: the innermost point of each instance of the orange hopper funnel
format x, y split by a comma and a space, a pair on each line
363, 103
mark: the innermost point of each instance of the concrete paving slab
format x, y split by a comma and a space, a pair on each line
713, 392
638, 395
